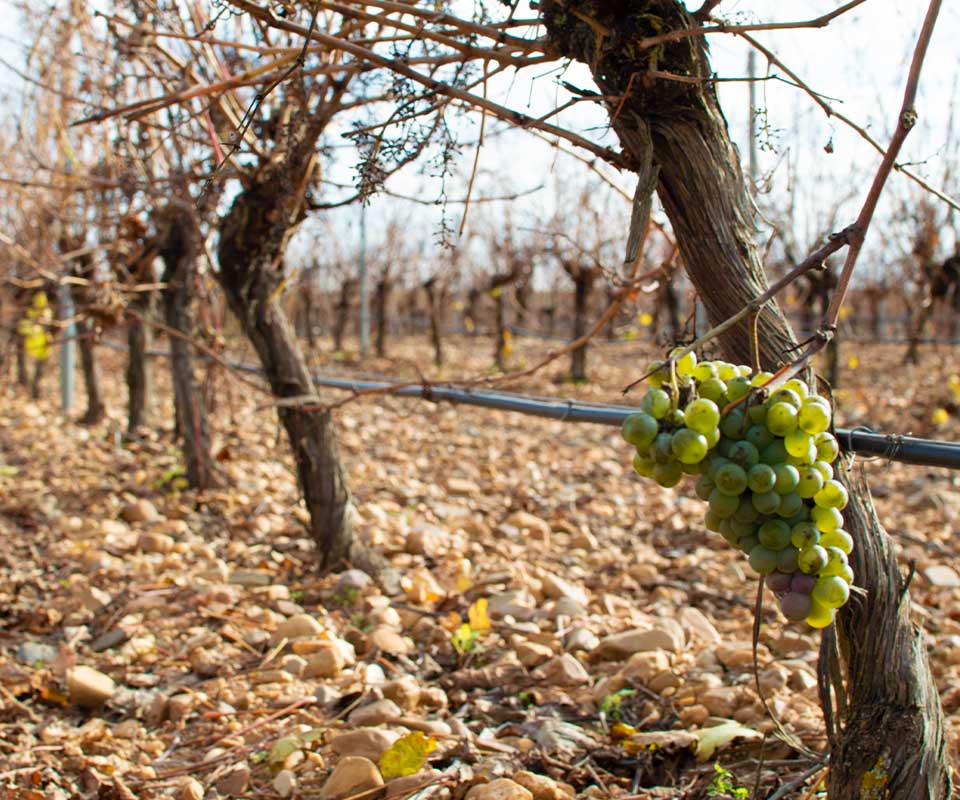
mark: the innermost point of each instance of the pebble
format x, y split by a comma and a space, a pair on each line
191, 789
204, 662
284, 783
942, 576
425, 540
516, 603
139, 511
326, 662
351, 775
532, 654
367, 743
644, 667
88, 687
538, 528
293, 664
556, 587
37, 653
463, 487
638, 640
721, 701
542, 787
500, 789
389, 641
112, 638
405, 692
569, 607
376, 713
234, 781
299, 626
581, 639
153, 542
564, 670
697, 624
353, 579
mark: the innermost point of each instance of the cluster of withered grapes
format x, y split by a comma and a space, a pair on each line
765, 468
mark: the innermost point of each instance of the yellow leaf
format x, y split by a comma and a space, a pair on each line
645, 319
463, 639
477, 614
940, 417
953, 384
37, 344
464, 583
853, 362
40, 300
496, 291
712, 739
407, 755
620, 730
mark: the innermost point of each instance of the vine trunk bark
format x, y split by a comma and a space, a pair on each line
891, 742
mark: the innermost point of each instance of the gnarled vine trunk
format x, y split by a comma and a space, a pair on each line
891, 742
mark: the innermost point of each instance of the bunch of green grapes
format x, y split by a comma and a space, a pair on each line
765, 470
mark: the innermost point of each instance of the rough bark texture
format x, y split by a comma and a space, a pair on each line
179, 243
381, 303
139, 379
435, 303
582, 287
252, 237
91, 375
891, 743
347, 290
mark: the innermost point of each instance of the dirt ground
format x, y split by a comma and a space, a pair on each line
159, 643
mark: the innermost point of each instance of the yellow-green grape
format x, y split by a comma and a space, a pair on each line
839, 539
790, 505
774, 534
788, 396
828, 449
656, 403
667, 474
745, 511
702, 415
639, 430
812, 559
734, 424
726, 371
825, 469
737, 387
704, 371
742, 528
658, 374
763, 560
788, 478
661, 450
686, 363
811, 482
826, 519
814, 416
836, 561
747, 543
820, 616
831, 591
804, 534
797, 443
730, 479
805, 459
713, 437
757, 413
674, 418
798, 387
781, 419
761, 478
689, 447
761, 378
713, 389
745, 371
711, 521
832, 495
847, 574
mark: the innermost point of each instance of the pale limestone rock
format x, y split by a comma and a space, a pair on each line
89, 687
500, 789
367, 743
351, 775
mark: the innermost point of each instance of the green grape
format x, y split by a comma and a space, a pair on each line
847, 575
656, 403
723, 505
766, 502
643, 466
733, 424
839, 539
825, 469
639, 430
744, 370
726, 371
831, 592
812, 559
713, 437
758, 436
737, 387
702, 415
743, 453
704, 486
729, 534
757, 413
685, 364
804, 534
704, 371
761, 478
715, 463
811, 482
763, 560
658, 374
781, 419
745, 511
674, 418
826, 519
774, 454
724, 445
713, 389
790, 505
667, 474
774, 534
661, 450
797, 443
820, 616
688, 446
836, 561
692, 469
788, 478
761, 378
788, 559
832, 495
828, 449
711, 520
814, 416
747, 543
785, 395
742, 528
798, 387
730, 479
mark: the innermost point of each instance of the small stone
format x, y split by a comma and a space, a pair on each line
721, 701
326, 662
354, 579
622, 645
538, 528
697, 625
378, 712
37, 653
351, 775
463, 487
389, 641
234, 781
367, 743
532, 654
425, 540
88, 687
112, 638
299, 626
581, 639
205, 663
644, 667
180, 706
407, 785
695, 715
942, 576
93, 598
584, 539
153, 542
500, 789
542, 787
517, 603
284, 783
405, 692
564, 670
191, 789
139, 511
738, 654
556, 587
569, 607
293, 664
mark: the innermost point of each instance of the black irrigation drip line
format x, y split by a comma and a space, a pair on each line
860, 440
